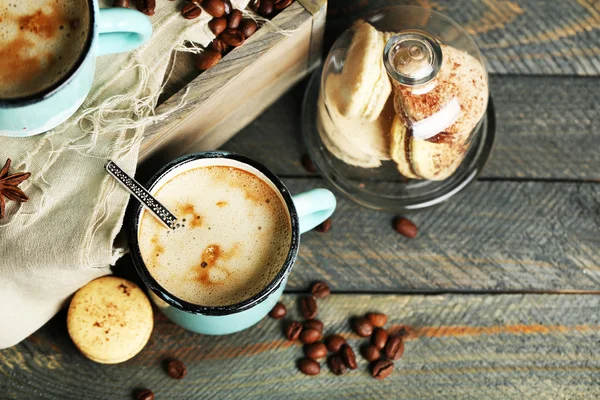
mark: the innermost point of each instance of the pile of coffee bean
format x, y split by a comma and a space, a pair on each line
381, 351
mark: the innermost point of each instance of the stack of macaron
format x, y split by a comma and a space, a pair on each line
364, 117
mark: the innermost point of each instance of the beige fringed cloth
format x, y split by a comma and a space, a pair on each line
65, 235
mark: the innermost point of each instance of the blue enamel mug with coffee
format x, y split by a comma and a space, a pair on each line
305, 210
103, 31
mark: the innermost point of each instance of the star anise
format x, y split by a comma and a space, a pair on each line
9, 187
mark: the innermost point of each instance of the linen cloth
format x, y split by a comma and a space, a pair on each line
64, 236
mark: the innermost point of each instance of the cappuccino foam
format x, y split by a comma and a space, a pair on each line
233, 239
40, 41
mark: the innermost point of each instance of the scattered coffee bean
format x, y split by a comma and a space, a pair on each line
176, 369
207, 59
254, 4
348, 356
336, 365
320, 289
232, 37
278, 311
216, 8
234, 19
217, 25
309, 367
146, 6
248, 27
144, 394
325, 226
362, 326
379, 338
228, 6
370, 352
308, 306
377, 319
334, 343
382, 369
405, 227
313, 324
266, 8
308, 336
191, 11
121, 3
293, 330
308, 164
394, 348
315, 350
281, 4
219, 45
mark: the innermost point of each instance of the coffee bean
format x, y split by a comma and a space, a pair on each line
281, 4
315, 350
228, 6
309, 367
254, 4
234, 19
405, 227
176, 369
370, 352
394, 348
379, 338
348, 356
313, 324
362, 326
308, 336
382, 369
217, 25
207, 59
248, 27
293, 330
121, 3
232, 37
216, 8
144, 394
278, 311
336, 365
191, 11
325, 226
308, 164
308, 306
334, 343
219, 45
266, 8
146, 6
320, 289
377, 319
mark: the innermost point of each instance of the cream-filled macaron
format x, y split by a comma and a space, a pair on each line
110, 320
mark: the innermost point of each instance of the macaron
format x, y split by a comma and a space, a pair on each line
110, 320
434, 122
365, 85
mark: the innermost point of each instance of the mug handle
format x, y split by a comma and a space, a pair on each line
122, 30
313, 207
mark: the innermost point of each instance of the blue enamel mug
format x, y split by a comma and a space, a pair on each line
306, 211
113, 30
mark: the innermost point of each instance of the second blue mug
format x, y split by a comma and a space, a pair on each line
306, 211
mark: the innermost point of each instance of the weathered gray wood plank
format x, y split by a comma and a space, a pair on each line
516, 37
547, 128
462, 346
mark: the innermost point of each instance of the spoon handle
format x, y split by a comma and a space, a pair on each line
142, 195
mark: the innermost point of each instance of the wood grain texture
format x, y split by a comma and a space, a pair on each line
495, 236
546, 128
467, 347
515, 36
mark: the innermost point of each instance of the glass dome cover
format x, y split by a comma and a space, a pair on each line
397, 120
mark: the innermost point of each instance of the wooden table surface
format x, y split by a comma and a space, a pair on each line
500, 287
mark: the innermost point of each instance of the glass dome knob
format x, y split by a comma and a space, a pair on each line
412, 58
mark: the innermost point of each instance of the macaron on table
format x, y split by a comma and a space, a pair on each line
499, 288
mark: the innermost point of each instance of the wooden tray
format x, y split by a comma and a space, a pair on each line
221, 101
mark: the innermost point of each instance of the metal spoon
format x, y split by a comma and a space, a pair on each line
142, 195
